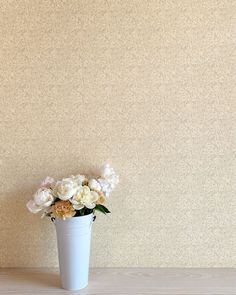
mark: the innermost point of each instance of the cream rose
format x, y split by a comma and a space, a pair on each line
84, 197
65, 189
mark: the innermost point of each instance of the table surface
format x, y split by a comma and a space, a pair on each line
123, 281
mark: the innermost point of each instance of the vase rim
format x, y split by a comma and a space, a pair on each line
76, 218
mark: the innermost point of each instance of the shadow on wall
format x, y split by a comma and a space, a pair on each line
19, 228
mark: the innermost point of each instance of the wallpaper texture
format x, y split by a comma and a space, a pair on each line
148, 86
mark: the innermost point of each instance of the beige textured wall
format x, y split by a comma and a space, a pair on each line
147, 85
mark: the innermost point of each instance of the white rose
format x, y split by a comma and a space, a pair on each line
48, 182
84, 197
65, 189
80, 179
32, 207
43, 198
94, 185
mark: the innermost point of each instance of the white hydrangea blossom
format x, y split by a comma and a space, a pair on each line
108, 180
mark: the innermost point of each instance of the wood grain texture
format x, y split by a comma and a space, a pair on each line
147, 85
123, 281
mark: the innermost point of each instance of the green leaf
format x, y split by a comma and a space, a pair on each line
82, 211
102, 209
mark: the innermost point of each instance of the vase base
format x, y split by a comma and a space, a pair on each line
74, 288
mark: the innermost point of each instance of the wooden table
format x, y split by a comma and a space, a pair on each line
123, 281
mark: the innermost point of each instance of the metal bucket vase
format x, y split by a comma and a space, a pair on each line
73, 242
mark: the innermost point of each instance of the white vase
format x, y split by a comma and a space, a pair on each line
73, 241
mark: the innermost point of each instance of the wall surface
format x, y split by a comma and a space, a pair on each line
148, 86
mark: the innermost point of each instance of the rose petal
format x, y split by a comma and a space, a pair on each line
34, 208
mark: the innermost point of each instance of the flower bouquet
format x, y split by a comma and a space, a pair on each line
71, 203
